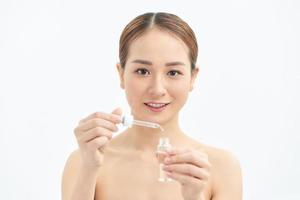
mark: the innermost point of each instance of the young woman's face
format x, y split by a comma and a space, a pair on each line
157, 77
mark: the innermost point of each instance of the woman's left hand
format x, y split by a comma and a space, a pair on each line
191, 169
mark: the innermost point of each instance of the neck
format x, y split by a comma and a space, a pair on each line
146, 139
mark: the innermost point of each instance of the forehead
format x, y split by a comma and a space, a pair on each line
160, 45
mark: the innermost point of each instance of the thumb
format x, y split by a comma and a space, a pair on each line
117, 111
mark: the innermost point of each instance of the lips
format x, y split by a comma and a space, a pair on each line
156, 107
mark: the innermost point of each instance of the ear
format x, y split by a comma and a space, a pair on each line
121, 74
195, 72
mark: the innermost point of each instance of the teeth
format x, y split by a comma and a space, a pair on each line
156, 105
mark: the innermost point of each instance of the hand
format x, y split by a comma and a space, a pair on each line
93, 133
191, 169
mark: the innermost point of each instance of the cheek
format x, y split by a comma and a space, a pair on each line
180, 88
180, 92
133, 90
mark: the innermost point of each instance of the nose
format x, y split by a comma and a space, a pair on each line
157, 87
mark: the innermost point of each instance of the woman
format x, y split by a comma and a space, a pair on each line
157, 70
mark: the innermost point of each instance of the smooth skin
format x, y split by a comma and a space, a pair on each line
125, 166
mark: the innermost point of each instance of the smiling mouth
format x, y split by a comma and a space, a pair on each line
156, 105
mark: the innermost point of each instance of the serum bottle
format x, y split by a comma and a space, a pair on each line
162, 148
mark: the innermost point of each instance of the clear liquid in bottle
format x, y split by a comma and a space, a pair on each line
162, 148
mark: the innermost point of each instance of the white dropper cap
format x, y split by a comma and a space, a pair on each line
164, 141
127, 120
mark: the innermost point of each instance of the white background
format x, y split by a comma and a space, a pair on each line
57, 65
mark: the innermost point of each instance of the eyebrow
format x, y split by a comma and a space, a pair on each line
146, 62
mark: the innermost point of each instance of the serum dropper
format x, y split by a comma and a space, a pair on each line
128, 120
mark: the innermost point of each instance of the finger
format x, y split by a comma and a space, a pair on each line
94, 133
189, 170
174, 151
96, 122
97, 143
183, 179
117, 111
107, 116
192, 157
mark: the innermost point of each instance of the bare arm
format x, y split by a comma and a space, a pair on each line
78, 182
228, 178
81, 170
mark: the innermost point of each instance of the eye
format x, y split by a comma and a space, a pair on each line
142, 71
174, 73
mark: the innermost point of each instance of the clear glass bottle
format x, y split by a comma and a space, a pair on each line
162, 148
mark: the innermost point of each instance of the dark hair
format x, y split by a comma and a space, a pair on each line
164, 21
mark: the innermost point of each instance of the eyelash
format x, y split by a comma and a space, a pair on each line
176, 71
140, 69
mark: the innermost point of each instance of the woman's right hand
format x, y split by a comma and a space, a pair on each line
93, 133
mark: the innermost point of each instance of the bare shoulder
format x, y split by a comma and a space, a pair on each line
69, 173
222, 160
218, 156
72, 161
226, 176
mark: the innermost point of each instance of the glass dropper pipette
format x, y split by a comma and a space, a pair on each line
127, 120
